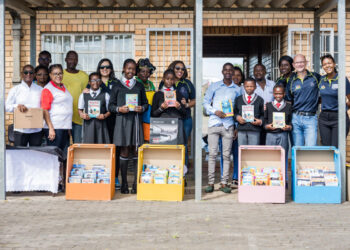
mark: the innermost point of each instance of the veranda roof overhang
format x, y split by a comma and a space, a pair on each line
30, 6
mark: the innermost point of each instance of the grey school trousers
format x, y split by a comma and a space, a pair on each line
280, 139
214, 133
248, 138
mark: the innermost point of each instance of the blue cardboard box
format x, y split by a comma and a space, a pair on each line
303, 156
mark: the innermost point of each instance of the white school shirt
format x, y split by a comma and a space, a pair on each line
81, 102
275, 102
27, 96
267, 93
61, 111
252, 95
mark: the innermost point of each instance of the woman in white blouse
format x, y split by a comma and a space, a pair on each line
24, 96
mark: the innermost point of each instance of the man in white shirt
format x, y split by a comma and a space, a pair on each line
264, 87
24, 96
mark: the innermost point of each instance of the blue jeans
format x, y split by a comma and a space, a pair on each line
77, 131
234, 151
187, 129
304, 130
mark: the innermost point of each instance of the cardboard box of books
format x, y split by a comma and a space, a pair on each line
316, 175
33, 118
160, 172
261, 174
164, 131
90, 172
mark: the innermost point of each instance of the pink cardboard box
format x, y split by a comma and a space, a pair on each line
261, 157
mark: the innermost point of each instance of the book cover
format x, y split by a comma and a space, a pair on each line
164, 131
278, 120
248, 113
93, 108
131, 100
227, 108
170, 98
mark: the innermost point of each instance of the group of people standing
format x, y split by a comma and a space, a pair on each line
296, 94
67, 97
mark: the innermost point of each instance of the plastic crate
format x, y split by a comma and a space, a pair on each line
261, 156
315, 156
163, 156
91, 154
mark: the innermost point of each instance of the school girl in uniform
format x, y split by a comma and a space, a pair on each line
144, 70
160, 108
93, 109
328, 86
128, 101
188, 91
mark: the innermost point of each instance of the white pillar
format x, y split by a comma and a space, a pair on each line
198, 54
2, 102
341, 92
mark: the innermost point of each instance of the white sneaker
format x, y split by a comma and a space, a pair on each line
185, 170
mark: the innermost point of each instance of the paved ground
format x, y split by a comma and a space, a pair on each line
37, 220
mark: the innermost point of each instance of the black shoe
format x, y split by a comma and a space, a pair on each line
134, 189
124, 189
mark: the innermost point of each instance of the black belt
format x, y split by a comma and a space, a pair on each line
330, 111
305, 113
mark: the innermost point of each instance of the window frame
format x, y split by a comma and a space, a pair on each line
104, 52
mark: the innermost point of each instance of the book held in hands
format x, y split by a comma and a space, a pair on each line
278, 120
170, 98
93, 108
248, 113
131, 100
227, 108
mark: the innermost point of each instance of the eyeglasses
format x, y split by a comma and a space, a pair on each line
298, 63
41, 74
97, 80
179, 68
106, 67
28, 72
58, 74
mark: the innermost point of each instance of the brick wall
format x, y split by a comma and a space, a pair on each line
225, 22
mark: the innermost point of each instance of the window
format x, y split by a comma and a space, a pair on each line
91, 49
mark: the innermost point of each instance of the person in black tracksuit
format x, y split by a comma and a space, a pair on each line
328, 119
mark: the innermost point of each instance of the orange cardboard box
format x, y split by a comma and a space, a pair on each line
89, 154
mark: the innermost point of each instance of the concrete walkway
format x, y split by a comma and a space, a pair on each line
40, 221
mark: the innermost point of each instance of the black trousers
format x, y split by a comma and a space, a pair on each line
328, 125
22, 139
61, 139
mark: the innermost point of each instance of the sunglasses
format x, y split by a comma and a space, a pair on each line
179, 68
28, 72
106, 67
